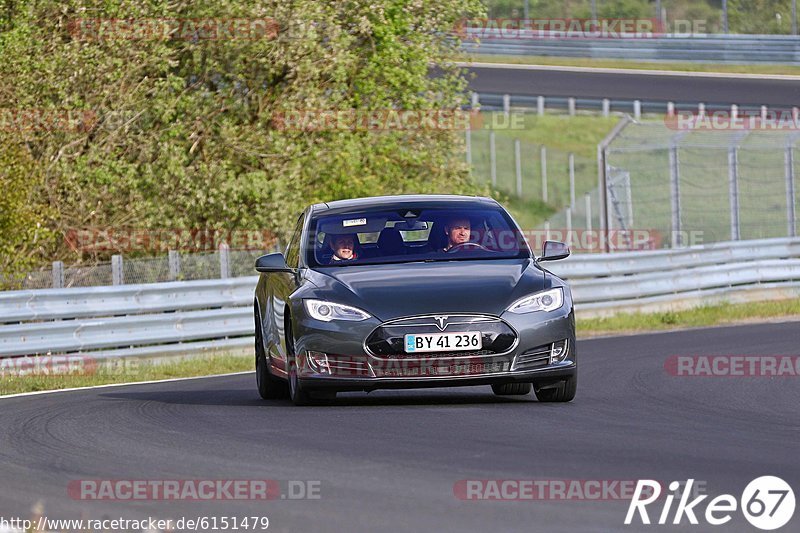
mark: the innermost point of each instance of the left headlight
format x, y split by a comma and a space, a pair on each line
327, 311
548, 300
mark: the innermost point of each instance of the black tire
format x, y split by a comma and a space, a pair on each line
511, 389
562, 391
297, 392
269, 387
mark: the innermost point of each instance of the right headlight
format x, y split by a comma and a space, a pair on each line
548, 300
327, 311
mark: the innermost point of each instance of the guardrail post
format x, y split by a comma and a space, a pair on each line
588, 201
540, 105
637, 109
571, 106
475, 101
606, 107
174, 259
733, 190
675, 195
518, 166
224, 261
701, 110
763, 114
492, 159
670, 109
58, 274
543, 159
734, 111
117, 275
796, 114
790, 195
571, 164
547, 230
506, 104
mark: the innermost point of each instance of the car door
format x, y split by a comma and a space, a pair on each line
279, 286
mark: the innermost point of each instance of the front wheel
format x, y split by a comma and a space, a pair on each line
561, 391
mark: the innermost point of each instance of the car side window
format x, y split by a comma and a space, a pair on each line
293, 250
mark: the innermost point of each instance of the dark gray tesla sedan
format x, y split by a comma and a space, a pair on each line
412, 291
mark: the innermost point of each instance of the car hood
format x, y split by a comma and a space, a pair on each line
397, 290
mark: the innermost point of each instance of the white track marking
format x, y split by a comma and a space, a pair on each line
36, 393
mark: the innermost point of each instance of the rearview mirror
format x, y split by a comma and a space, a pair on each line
272, 263
554, 250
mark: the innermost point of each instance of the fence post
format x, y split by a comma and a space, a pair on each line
468, 142
568, 212
518, 164
606, 107
506, 104
790, 208
475, 100
492, 159
117, 276
637, 109
174, 265
571, 180
733, 190
543, 157
547, 230
58, 274
675, 195
224, 261
540, 105
571, 106
588, 201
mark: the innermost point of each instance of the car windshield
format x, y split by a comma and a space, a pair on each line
414, 234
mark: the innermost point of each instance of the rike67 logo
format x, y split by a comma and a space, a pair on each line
767, 503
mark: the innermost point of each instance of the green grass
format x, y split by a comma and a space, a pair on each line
712, 315
621, 63
125, 371
561, 134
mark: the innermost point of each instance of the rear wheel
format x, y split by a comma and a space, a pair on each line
511, 389
560, 391
269, 387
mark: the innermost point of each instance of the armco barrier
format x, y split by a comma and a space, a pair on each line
180, 318
779, 49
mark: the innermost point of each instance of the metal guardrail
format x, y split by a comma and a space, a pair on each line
188, 317
778, 49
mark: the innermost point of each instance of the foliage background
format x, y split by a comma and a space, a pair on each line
184, 136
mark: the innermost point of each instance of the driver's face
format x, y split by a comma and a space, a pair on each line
458, 231
343, 246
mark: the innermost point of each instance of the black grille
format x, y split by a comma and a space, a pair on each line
388, 340
533, 358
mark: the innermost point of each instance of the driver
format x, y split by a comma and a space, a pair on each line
343, 247
458, 231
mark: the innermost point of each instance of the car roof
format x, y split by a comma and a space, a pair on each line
403, 201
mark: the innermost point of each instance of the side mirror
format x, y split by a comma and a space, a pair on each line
272, 263
554, 250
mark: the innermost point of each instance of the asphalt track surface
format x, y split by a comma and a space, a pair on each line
389, 460
781, 93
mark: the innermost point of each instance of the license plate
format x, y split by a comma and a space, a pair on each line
443, 342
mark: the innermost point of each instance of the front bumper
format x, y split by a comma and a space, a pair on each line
361, 370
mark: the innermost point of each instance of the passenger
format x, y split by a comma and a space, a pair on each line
343, 247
